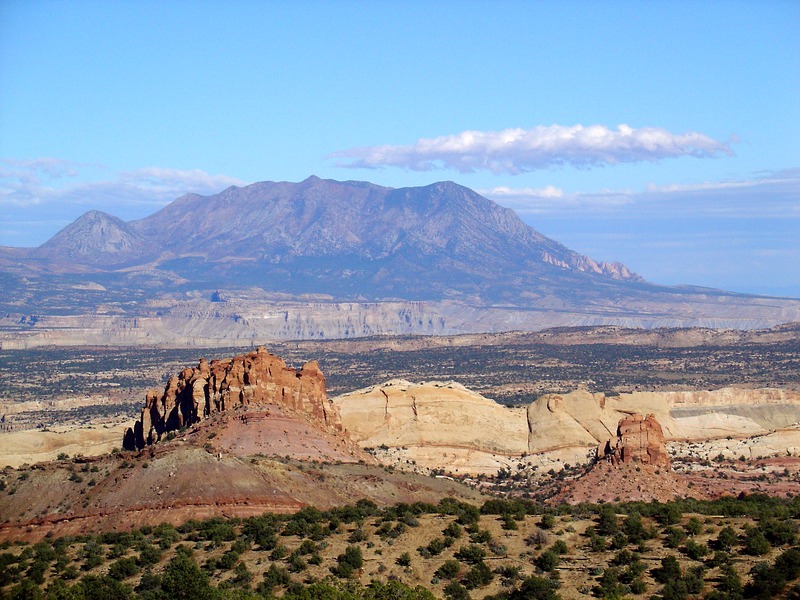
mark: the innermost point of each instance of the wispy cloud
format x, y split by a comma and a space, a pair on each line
515, 151
35, 194
551, 199
771, 195
169, 180
52, 180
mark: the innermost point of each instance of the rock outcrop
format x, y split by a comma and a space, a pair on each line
434, 425
255, 378
639, 440
402, 413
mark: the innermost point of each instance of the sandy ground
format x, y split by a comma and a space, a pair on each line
32, 446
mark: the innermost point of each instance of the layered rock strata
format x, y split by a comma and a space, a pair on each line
437, 425
255, 378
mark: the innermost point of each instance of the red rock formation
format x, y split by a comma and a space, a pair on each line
639, 440
255, 378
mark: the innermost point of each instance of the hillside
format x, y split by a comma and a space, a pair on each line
233, 436
504, 550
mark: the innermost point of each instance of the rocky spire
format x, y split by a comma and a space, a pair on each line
255, 378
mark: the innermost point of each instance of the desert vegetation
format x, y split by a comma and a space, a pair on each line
744, 547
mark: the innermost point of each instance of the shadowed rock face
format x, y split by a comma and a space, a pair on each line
255, 378
639, 440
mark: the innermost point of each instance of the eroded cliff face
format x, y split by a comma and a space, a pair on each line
203, 323
255, 378
437, 425
434, 425
402, 413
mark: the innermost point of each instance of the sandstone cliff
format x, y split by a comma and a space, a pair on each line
401, 413
204, 323
255, 378
582, 416
437, 425
434, 425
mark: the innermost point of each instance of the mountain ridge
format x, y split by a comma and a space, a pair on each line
473, 264
320, 223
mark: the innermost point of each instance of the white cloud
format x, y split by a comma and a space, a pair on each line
50, 180
772, 195
34, 168
39, 196
193, 180
515, 151
507, 192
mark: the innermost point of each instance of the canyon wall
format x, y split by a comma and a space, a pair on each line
242, 321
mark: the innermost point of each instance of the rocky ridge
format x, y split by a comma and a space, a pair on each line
242, 321
634, 465
256, 378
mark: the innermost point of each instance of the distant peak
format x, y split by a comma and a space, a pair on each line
97, 215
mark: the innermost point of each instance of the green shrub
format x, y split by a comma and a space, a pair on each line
183, 579
296, 563
92, 587
607, 524
479, 575
693, 526
755, 543
779, 532
448, 570
348, 562
453, 530
694, 550
548, 521
547, 561
535, 588
149, 555
279, 552
726, 539
359, 535
470, 554
669, 570
123, 568
307, 547
455, 591
92, 556
273, 577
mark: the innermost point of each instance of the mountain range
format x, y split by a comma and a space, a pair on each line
438, 258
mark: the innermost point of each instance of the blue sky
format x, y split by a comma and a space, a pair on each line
665, 135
